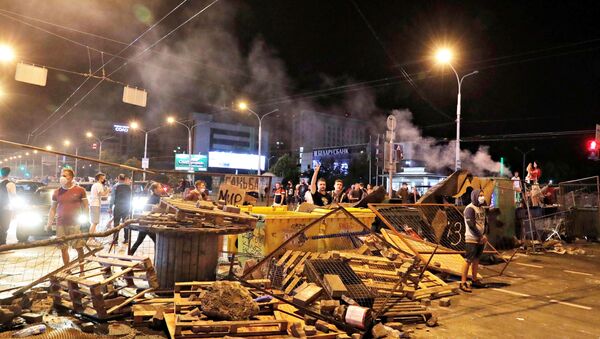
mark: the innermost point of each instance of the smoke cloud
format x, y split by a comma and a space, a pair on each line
439, 156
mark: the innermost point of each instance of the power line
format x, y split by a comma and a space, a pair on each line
230, 70
126, 62
393, 60
100, 68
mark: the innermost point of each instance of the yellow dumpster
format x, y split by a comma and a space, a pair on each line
276, 225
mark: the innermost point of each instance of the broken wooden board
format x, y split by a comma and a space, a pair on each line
96, 293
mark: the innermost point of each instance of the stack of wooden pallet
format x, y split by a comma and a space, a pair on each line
379, 274
189, 321
95, 292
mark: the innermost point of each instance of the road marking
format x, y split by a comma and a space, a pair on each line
575, 272
511, 292
551, 300
570, 304
530, 265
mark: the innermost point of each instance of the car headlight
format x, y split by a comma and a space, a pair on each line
17, 203
139, 203
82, 219
30, 218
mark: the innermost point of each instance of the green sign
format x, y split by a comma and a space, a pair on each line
199, 162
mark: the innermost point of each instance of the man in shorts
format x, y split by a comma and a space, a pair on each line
475, 238
98, 192
69, 202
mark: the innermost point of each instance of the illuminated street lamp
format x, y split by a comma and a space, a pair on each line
171, 120
243, 106
136, 126
7, 54
91, 135
444, 56
67, 143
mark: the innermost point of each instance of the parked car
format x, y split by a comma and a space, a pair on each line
25, 190
32, 217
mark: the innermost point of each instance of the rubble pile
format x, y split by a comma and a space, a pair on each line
228, 301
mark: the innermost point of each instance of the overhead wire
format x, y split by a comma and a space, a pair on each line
393, 60
100, 68
126, 62
178, 57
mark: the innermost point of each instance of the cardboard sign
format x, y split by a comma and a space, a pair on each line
232, 195
245, 182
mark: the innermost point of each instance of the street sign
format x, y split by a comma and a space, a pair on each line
145, 163
199, 162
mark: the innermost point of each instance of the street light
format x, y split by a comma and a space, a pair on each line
172, 120
7, 54
524, 157
444, 56
243, 106
136, 126
67, 143
90, 135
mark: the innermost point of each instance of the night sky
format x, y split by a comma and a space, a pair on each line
538, 63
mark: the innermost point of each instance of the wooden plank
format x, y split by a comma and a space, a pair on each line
334, 286
123, 257
113, 262
308, 295
112, 309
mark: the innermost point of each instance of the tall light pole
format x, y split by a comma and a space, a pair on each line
67, 143
445, 56
172, 120
524, 154
90, 135
136, 126
243, 107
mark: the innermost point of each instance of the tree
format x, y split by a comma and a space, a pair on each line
287, 168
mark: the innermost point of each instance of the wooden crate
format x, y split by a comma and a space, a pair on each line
96, 293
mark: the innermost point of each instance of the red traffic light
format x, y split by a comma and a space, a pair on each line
592, 145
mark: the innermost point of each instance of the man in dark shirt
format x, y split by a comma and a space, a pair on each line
120, 203
156, 192
319, 189
278, 195
338, 194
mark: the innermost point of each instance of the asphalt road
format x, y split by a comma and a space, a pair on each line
542, 296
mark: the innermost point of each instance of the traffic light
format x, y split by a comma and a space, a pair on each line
592, 148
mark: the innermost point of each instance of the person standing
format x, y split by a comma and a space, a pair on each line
68, 202
120, 204
302, 190
198, 193
8, 191
318, 189
156, 192
404, 193
338, 194
516, 181
278, 195
414, 196
475, 238
289, 193
98, 192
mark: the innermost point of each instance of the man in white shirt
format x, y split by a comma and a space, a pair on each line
98, 192
8, 191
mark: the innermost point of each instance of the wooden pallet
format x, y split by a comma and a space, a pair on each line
180, 214
96, 293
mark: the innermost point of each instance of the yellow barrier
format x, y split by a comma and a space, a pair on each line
276, 225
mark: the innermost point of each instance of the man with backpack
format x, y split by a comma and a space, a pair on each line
8, 191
